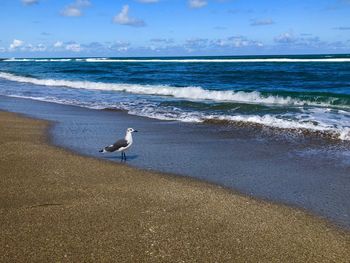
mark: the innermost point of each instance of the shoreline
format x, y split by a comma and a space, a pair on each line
279, 170
79, 208
48, 139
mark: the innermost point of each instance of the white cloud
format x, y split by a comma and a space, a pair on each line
163, 46
120, 46
16, 44
74, 47
71, 11
75, 8
35, 48
30, 2
104, 48
285, 38
162, 40
262, 22
236, 42
196, 43
221, 44
58, 44
41, 47
123, 18
19, 45
197, 3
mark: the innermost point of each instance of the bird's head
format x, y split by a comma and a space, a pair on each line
130, 130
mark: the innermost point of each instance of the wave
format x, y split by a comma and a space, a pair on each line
323, 129
189, 93
38, 60
197, 60
237, 60
330, 130
311, 126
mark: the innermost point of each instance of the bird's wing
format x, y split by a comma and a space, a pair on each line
117, 145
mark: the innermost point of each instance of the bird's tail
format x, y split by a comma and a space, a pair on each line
102, 151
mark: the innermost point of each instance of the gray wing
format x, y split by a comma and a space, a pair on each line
116, 146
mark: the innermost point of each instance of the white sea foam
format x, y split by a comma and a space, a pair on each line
17, 60
189, 93
38, 60
235, 60
335, 122
315, 122
60, 59
341, 132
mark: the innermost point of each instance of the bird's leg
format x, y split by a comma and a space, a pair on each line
124, 156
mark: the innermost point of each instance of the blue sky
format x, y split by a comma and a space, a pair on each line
58, 28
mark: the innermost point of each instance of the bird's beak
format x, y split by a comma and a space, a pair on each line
136, 131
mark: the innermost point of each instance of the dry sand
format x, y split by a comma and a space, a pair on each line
57, 206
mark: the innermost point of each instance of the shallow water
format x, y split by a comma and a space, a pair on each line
306, 171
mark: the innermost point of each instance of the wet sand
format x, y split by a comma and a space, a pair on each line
58, 206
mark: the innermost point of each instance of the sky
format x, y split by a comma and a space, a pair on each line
119, 28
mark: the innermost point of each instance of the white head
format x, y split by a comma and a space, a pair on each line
130, 130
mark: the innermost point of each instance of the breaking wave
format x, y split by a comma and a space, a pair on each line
236, 60
323, 117
188, 93
323, 129
38, 60
331, 130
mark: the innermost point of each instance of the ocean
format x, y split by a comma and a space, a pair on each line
274, 127
303, 94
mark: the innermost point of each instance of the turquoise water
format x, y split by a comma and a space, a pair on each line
301, 93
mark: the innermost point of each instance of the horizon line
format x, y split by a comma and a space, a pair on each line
185, 56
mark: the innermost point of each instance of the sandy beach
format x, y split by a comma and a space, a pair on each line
58, 206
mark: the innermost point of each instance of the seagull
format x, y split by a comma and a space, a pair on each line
120, 145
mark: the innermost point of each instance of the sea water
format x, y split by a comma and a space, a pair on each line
294, 93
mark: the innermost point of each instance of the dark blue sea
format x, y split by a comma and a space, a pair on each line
294, 93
